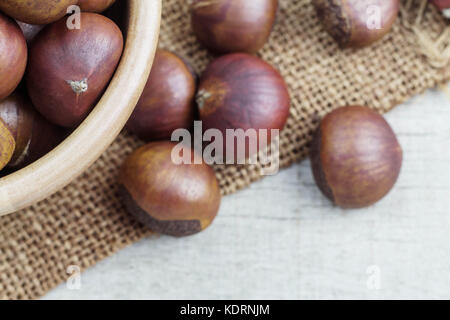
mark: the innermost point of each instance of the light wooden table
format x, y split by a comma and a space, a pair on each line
281, 239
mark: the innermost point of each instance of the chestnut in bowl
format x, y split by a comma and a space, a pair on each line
36, 11
241, 91
68, 70
357, 23
95, 5
33, 134
167, 102
355, 157
13, 55
168, 198
7, 145
227, 26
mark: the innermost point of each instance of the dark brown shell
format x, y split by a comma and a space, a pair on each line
177, 200
36, 11
69, 69
241, 91
167, 102
355, 157
13, 55
226, 26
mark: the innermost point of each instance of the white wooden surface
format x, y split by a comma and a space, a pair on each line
281, 239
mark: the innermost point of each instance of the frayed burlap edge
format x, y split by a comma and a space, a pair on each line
435, 49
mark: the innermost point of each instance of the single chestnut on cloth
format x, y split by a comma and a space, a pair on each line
168, 197
168, 100
33, 134
357, 23
68, 69
36, 11
242, 92
355, 157
227, 26
13, 55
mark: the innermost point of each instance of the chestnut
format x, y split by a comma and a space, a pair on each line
68, 70
357, 23
173, 199
13, 55
226, 26
7, 145
355, 157
241, 91
36, 11
33, 134
95, 5
167, 102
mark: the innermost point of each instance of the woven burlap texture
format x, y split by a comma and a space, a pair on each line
85, 222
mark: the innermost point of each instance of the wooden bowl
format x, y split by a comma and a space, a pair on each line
58, 168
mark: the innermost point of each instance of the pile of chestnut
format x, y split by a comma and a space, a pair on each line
51, 74
356, 156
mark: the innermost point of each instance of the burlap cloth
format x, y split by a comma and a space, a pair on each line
85, 222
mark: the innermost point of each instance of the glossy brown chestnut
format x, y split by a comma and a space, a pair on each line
355, 157
357, 23
226, 26
13, 55
177, 200
95, 5
30, 31
34, 135
7, 145
167, 102
241, 91
68, 70
36, 11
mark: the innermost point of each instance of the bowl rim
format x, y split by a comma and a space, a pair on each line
97, 132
